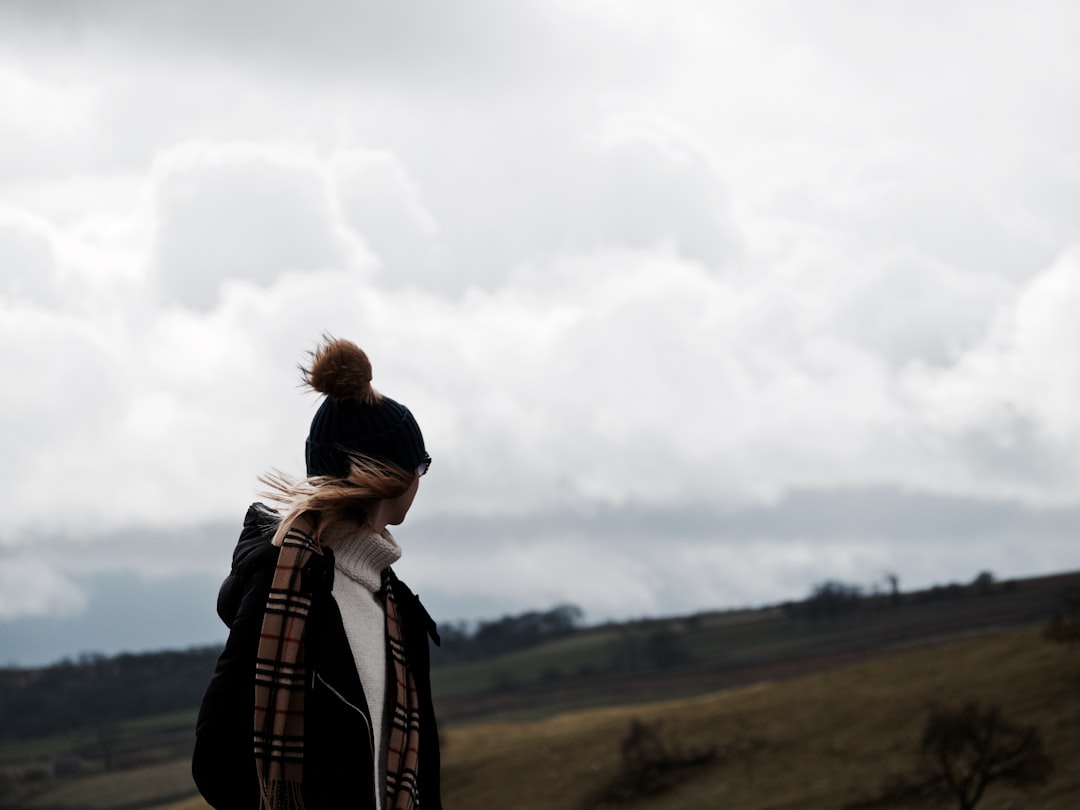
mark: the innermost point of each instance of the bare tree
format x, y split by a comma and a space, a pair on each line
894, 587
962, 752
971, 748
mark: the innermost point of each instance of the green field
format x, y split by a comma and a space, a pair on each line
817, 741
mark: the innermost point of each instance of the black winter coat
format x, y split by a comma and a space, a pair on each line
338, 742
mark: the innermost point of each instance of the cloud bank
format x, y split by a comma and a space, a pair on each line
652, 283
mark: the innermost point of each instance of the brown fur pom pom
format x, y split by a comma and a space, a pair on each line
340, 369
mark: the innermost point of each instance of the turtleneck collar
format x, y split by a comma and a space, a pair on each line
361, 554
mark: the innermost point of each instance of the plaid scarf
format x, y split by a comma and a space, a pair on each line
403, 747
279, 676
280, 679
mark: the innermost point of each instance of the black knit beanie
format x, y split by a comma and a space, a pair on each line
354, 417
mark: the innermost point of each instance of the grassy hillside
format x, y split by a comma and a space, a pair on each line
816, 741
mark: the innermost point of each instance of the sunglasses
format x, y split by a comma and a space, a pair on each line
424, 465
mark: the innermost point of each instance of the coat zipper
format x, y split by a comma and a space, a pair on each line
364, 717
343, 699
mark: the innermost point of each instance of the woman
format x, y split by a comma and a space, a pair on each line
321, 698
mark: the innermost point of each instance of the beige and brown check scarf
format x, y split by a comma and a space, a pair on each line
403, 747
279, 688
279, 675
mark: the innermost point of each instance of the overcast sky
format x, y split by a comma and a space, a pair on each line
697, 303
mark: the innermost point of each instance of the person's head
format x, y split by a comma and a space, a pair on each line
355, 420
364, 452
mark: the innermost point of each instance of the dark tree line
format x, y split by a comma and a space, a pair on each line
828, 600
834, 599
506, 634
96, 690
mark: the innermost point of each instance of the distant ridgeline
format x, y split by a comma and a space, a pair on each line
504, 635
716, 649
95, 690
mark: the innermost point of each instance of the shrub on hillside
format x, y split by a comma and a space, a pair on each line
962, 752
1064, 627
649, 766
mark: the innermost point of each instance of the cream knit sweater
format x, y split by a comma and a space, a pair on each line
360, 556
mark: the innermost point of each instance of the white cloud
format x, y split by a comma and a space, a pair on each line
909, 307
610, 377
26, 253
613, 256
239, 213
1008, 406
45, 119
385, 207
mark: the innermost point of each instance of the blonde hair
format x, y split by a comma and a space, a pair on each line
329, 499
